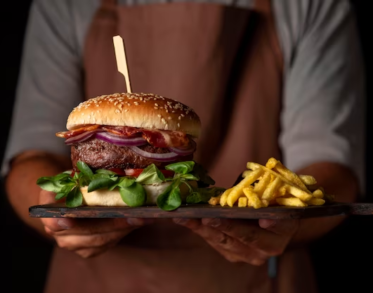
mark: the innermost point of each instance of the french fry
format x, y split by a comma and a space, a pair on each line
316, 202
255, 166
253, 199
242, 202
262, 184
282, 191
214, 200
292, 201
246, 173
224, 196
308, 179
299, 193
273, 184
269, 192
289, 175
271, 163
247, 181
265, 203
318, 193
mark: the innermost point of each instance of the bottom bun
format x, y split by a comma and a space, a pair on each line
107, 198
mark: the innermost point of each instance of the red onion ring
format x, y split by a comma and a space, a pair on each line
80, 137
120, 140
166, 157
185, 151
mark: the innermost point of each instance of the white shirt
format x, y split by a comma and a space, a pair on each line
323, 95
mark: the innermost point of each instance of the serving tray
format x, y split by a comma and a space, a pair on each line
201, 211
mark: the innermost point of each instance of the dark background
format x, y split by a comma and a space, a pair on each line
343, 259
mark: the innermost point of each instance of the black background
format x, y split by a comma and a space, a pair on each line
343, 259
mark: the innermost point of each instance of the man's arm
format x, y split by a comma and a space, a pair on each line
337, 180
87, 238
21, 185
323, 111
49, 86
254, 242
322, 126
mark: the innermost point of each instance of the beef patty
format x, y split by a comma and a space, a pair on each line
99, 154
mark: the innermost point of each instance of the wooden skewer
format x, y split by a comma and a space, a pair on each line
120, 55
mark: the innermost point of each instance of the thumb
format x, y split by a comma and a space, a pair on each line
47, 197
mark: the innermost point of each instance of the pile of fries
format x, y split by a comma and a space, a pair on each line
273, 184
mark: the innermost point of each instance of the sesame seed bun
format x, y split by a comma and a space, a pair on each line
136, 110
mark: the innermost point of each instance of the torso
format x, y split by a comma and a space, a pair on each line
226, 64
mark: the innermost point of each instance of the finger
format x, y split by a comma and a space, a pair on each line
235, 258
280, 227
68, 226
74, 242
90, 252
230, 248
250, 234
46, 197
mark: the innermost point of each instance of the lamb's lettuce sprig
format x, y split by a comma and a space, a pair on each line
131, 189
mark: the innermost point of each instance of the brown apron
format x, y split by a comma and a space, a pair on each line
226, 63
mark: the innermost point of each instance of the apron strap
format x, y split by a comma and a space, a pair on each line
264, 7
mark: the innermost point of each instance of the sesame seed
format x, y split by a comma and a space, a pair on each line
169, 118
156, 108
178, 125
182, 115
136, 103
159, 116
156, 104
179, 118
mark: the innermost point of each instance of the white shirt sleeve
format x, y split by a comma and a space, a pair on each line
323, 107
50, 82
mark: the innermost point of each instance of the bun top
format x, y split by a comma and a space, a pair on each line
136, 110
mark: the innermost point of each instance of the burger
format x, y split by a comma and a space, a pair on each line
131, 149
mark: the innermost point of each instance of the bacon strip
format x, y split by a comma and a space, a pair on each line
157, 138
71, 133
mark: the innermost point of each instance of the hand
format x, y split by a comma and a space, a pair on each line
246, 241
87, 237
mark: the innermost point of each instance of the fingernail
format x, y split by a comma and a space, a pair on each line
266, 223
64, 224
135, 222
212, 222
181, 221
